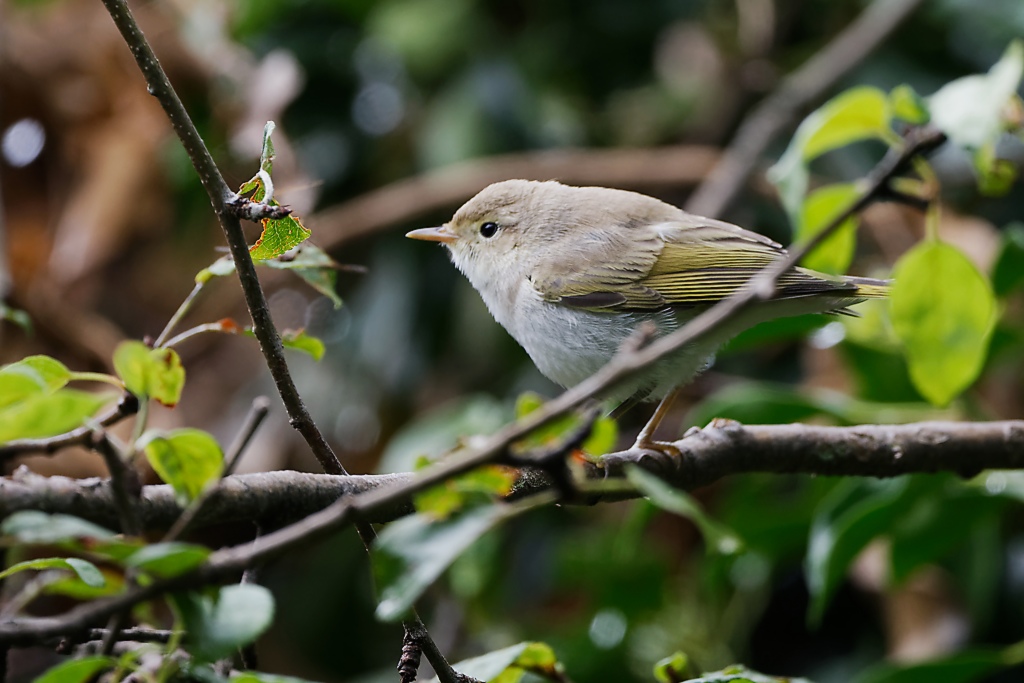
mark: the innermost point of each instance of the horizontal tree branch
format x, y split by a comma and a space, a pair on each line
269, 498
445, 188
728, 448
724, 449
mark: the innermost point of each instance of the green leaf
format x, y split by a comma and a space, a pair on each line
768, 403
860, 113
995, 175
857, 114
741, 674
604, 435
72, 586
963, 667
298, 340
441, 430
263, 677
970, 110
217, 626
819, 209
267, 154
77, 670
717, 537
908, 106
851, 516
938, 522
516, 659
150, 373
187, 459
255, 184
671, 668
225, 265
412, 552
168, 559
16, 316
313, 265
86, 571
279, 235
1008, 272
482, 484
49, 372
943, 312
44, 415
33, 526
31, 376
527, 402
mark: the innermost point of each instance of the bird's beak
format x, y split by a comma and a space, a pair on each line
442, 234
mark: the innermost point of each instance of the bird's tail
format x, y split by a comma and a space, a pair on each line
870, 288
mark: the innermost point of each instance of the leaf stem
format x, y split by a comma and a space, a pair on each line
182, 311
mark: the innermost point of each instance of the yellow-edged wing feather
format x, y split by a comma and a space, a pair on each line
691, 261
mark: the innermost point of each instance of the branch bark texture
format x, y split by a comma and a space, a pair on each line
277, 498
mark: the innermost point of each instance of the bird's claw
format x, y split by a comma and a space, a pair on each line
662, 448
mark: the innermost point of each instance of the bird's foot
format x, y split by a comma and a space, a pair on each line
666, 448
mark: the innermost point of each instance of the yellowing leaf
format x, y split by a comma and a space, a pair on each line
943, 312
279, 235
150, 373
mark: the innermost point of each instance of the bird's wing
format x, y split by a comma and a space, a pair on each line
603, 269
691, 261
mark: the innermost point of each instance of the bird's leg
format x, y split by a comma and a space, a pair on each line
645, 439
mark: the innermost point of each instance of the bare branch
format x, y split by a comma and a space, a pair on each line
124, 483
798, 91
445, 188
220, 195
727, 448
708, 455
273, 499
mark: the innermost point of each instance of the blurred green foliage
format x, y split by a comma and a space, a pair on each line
616, 589
396, 87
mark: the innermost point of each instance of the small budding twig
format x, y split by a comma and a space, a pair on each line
246, 209
124, 482
409, 663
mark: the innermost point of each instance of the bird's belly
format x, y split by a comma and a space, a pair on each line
569, 345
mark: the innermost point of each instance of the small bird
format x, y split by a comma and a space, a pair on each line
572, 272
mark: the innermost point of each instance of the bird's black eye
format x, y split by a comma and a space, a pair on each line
488, 229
